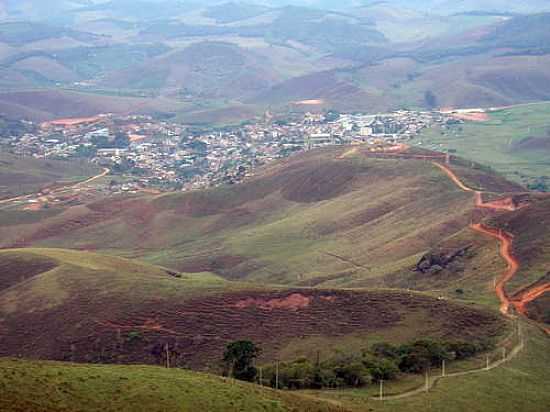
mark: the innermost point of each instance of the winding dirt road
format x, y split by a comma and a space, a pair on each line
505, 240
522, 299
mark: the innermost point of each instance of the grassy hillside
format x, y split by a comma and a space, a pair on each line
531, 241
77, 306
514, 142
26, 175
47, 386
313, 219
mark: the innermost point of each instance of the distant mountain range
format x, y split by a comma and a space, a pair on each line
201, 56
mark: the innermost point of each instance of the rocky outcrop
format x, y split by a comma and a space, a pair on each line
434, 262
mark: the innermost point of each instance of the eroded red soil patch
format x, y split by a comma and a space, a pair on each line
292, 302
72, 121
472, 117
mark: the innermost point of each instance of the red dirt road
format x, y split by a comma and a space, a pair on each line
521, 300
505, 240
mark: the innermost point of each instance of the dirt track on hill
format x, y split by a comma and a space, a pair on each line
59, 190
505, 240
520, 301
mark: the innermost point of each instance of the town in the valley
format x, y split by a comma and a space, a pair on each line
161, 155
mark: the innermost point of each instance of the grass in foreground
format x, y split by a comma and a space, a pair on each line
32, 386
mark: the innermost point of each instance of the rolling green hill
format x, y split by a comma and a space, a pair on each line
313, 219
27, 175
333, 218
78, 306
28, 386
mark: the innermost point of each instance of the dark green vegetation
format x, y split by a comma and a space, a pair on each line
26, 175
515, 386
515, 142
382, 362
239, 358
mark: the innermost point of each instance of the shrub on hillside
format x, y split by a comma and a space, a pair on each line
239, 357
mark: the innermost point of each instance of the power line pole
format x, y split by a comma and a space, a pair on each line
427, 387
381, 396
277, 374
443, 368
167, 356
487, 363
261, 377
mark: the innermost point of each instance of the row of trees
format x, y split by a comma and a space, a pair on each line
382, 361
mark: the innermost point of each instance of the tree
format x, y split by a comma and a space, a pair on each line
420, 355
353, 374
239, 358
381, 368
385, 350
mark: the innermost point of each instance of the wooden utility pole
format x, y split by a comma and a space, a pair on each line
487, 363
427, 388
167, 355
277, 374
443, 368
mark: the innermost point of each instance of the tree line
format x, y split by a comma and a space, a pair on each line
381, 361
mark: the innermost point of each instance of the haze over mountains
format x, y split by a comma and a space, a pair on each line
343, 203
246, 57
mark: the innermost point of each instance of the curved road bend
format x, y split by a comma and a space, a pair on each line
505, 239
104, 173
